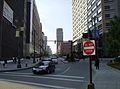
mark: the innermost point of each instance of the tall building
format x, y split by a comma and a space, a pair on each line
93, 15
11, 20
36, 33
79, 10
59, 37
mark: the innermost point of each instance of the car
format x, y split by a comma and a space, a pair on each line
55, 60
117, 59
44, 67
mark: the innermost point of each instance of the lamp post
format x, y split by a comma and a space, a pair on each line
34, 47
91, 37
18, 50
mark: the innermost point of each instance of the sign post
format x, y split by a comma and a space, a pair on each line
89, 50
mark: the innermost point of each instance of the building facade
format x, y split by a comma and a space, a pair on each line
36, 31
96, 18
59, 36
11, 20
79, 10
64, 48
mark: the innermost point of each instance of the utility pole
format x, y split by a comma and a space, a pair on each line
34, 46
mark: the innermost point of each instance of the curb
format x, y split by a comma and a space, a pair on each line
18, 69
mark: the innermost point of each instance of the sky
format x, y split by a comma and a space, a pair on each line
55, 14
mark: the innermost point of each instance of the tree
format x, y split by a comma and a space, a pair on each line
112, 38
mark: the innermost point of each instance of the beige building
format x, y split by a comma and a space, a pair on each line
36, 33
95, 16
79, 10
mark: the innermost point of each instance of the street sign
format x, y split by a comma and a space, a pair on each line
89, 47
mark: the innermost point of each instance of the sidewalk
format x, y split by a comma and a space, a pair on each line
11, 66
10, 85
106, 77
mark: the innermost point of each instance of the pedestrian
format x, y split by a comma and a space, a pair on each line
3, 65
97, 63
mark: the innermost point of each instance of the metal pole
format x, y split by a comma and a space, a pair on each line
19, 62
34, 47
90, 85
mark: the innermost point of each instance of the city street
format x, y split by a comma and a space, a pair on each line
67, 76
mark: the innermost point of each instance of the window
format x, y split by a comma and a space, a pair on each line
94, 8
94, 14
107, 24
100, 18
107, 15
100, 26
93, 1
99, 11
107, 7
89, 6
89, 13
99, 3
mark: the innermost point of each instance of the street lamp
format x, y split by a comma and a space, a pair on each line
18, 50
34, 47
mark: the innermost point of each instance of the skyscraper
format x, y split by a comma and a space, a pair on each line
93, 15
79, 10
59, 37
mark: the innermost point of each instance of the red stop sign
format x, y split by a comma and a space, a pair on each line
89, 47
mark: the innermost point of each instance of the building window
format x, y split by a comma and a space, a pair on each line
89, 6
94, 14
107, 15
89, 13
100, 18
99, 11
107, 24
100, 26
107, 7
93, 1
99, 3
94, 8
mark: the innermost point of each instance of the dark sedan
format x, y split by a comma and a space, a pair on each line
44, 67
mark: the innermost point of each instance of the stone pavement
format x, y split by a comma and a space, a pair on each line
106, 77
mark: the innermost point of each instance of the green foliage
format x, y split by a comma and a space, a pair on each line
112, 41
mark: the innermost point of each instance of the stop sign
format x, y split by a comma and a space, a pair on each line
89, 47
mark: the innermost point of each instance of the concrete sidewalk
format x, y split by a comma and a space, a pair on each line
10, 85
106, 77
11, 66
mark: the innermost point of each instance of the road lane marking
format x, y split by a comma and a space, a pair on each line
62, 79
65, 71
37, 84
66, 76
17, 73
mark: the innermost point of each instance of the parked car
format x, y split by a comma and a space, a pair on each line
117, 59
44, 67
55, 60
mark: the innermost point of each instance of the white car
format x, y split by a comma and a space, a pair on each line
44, 67
55, 60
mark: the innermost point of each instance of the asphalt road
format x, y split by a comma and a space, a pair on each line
67, 76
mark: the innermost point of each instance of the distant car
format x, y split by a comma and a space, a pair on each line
55, 60
117, 59
44, 67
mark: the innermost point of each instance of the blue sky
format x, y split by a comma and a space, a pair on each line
55, 14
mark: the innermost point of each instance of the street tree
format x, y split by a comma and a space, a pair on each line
112, 42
